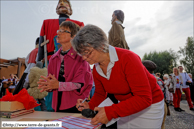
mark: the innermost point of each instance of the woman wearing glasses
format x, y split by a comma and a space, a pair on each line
119, 72
69, 76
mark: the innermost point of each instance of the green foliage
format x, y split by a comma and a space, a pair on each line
164, 60
188, 56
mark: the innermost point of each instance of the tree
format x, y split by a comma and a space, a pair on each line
164, 60
188, 56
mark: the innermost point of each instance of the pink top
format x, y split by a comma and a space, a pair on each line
76, 70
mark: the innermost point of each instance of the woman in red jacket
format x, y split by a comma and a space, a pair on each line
119, 72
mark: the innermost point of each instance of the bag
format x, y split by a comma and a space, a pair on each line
188, 83
171, 90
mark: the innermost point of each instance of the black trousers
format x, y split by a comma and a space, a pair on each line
2, 93
192, 91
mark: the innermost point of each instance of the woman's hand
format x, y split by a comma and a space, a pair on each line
100, 116
48, 83
81, 105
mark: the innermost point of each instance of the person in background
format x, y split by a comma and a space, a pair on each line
170, 77
2, 90
69, 76
12, 82
160, 83
192, 88
177, 85
158, 75
3, 78
151, 66
167, 83
116, 35
117, 71
30, 62
185, 87
17, 79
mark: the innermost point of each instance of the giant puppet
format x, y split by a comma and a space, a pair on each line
48, 36
50, 27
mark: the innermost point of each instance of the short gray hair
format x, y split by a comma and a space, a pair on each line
120, 15
189, 74
166, 76
90, 36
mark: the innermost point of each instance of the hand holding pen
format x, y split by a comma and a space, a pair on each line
82, 104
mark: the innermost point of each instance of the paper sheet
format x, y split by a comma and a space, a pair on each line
108, 102
72, 122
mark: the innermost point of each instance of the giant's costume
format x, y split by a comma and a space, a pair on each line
49, 28
116, 35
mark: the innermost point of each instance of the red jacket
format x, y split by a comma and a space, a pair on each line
131, 84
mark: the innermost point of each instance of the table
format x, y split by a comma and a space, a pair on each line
41, 116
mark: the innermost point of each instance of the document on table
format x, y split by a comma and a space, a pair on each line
108, 102
71, 122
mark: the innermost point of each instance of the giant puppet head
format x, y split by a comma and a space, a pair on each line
64, 7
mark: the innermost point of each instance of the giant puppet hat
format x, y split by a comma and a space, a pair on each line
64, 7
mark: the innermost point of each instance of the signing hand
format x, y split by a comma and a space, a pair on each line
81, 105
48, 83
100, 116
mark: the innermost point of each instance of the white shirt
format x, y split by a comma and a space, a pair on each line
154, 112
177, 82
113, 59
186, 78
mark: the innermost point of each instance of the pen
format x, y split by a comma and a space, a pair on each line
83, 102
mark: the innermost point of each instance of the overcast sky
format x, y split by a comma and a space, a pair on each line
149, 25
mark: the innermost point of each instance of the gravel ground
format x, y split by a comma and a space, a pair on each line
180, 120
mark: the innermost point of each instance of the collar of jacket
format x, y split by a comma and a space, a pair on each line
120, 23
173, 74
72, 53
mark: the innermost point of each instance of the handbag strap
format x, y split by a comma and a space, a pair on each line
186, 76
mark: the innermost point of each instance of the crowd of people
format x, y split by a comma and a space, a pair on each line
9, 83
174, 85
116, 74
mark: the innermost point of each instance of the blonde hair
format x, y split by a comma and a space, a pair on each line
158, 74
176, 69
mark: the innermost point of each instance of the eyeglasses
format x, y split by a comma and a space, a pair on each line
87, 54
62, 31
